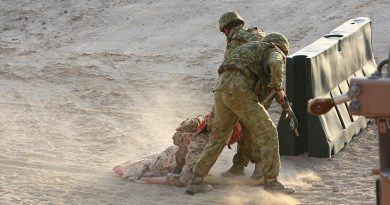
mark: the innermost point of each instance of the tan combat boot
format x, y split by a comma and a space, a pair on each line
274, 185
197, 185
235, 170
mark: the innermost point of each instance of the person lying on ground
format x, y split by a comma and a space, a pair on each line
174, 165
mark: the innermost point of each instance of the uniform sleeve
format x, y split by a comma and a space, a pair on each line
276, 63
195, 149
181, 139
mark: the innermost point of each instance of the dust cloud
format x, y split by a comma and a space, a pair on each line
86, 85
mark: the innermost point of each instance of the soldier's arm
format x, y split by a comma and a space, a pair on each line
276, 64
182, 139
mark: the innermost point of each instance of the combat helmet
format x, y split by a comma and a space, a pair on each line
228, 18
279, 40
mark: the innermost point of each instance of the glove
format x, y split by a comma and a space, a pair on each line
281, 95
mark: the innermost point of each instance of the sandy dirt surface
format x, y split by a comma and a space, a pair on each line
86, 85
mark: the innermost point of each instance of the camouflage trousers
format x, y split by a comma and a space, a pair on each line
231, 106
246, 144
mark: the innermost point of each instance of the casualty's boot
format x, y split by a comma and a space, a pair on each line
235, 170
257, 173
274, 185
197, 185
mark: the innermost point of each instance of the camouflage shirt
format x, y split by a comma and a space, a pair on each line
240, 36
250, 63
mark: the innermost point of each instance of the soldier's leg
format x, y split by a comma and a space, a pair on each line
241, 158
245, 153
245, 105
256, 158
221, 127
257, 119
250, 152
265, 144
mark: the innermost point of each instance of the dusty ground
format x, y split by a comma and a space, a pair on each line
86, 85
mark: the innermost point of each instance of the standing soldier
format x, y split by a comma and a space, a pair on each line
232, 25
235, 99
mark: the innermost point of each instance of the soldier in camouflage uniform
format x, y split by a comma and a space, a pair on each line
232, 25
194, 150
175, 164
235, 99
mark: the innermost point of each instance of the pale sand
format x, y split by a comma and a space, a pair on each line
86, 85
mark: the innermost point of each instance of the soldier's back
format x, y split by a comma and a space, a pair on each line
243, 36
250, 34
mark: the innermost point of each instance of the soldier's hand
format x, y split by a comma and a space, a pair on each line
281, 95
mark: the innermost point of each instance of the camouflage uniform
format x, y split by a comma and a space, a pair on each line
179, 158
240, 36
182, 138
237, 37
195, 148
236, 99
151, 166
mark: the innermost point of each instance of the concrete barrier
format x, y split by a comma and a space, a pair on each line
324, 68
